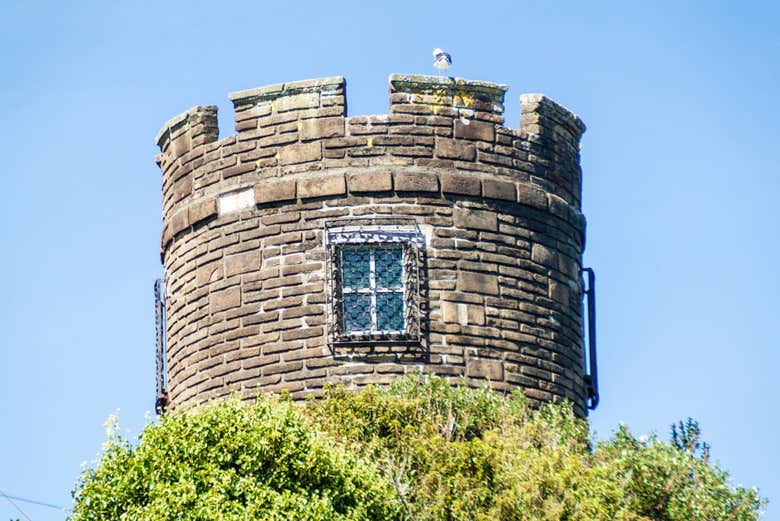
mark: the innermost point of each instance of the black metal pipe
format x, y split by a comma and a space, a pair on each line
591, 375
161, 393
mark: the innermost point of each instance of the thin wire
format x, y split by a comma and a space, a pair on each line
15, 505
34, 502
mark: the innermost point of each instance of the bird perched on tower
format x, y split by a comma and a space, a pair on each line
441, 59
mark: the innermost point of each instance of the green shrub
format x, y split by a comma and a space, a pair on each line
420, 449
232, 461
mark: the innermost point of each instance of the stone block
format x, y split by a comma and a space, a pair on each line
203, 210
559, 292
540, 396
273, 191
181, 145
460, 184
463, 314
482, 368
239, 169
495, 189
180, 221
452, 149
260, 110
450, 312
532, 196
477, 130
167, 235
475, 315
559, 207
243, 262
416, 182
261, 318
544, 256
182, 188
322, 186
305, 100
284, 238
361, 182
568, 266
236, 201
300, 153
413, 151
301, 333
225, 299
474, 282
208, 273
320, 128
475, 219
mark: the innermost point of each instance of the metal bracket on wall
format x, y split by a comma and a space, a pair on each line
591, 371
161, 397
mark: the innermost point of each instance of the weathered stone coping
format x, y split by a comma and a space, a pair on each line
436, 95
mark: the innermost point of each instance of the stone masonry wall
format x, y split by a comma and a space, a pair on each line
243, 245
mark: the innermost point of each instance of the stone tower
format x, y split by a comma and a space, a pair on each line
312, 247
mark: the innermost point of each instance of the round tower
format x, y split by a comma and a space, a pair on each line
315, 248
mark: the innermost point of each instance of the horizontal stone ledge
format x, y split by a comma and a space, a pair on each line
383, 181
183, 218
322, 186
460, 184
372, 181
340, 182
271, 92
425, 84
275, 191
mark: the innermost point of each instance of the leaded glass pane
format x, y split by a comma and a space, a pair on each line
390, 311
355, 268
388, 267
374, 283
357, 312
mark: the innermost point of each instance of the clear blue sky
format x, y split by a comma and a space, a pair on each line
680, 189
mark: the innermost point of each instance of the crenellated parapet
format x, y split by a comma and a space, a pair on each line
248, 253
434, 122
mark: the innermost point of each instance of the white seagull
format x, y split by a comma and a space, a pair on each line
441, 59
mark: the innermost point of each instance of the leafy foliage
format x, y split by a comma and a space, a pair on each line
420, 449
687, 436
231, 461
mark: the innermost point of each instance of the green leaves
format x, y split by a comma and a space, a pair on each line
421, 449
233, 461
